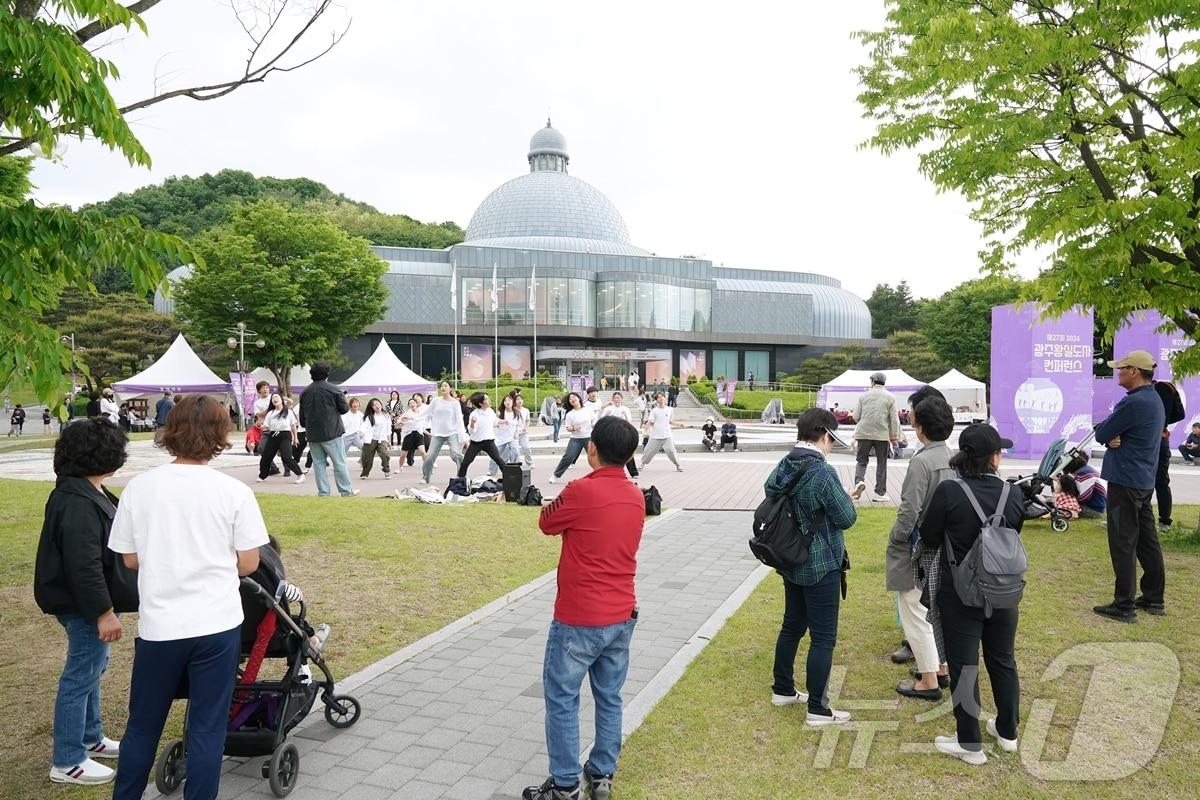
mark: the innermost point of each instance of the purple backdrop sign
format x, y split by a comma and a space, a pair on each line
1104, 394
1041, 377
1141, 332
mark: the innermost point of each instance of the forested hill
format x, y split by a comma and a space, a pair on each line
186, 206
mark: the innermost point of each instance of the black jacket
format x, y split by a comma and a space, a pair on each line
75, 572
321, 407
951, 518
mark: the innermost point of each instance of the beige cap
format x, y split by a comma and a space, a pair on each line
1135, 358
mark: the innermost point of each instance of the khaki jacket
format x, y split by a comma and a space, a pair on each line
875, 416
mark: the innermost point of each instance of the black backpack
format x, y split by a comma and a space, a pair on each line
779, 540
653, 501
991, 574
530, 496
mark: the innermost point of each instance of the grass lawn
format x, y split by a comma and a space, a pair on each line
717, 736
383, 573
753, 402
38, 441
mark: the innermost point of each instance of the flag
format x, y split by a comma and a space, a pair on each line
454, 288
495, 295
533, 288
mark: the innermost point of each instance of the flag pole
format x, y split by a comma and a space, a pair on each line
533, 310
457, 357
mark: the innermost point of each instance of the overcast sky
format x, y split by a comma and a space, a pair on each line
728, 131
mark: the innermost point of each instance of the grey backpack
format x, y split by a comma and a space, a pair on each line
991, 574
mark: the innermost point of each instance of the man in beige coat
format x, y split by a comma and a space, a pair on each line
878, 427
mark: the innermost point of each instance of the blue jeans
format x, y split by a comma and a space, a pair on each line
602, 654
557, 423
570, 455
209, 663
335, 451
812, 609
77, 706
435, 447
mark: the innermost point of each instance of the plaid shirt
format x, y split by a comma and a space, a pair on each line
818, 490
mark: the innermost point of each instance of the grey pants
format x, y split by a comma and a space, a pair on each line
865, 446
653, 447
435, 447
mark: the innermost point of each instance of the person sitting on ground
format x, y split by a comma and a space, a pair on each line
1066, 496
86, 586
1190, 450
729, 436
1093, 493
709, 440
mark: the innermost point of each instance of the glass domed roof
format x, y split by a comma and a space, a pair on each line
550, 209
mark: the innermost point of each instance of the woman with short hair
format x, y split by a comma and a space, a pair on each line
279, 428
812, 590
952, 524
190, 531
85, 586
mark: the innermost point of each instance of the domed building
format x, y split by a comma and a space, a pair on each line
599, 305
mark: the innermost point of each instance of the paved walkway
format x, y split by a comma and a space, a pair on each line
463, 718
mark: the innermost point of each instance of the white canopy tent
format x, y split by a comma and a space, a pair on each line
177, 370
383, 373
299, 378
844, 390
967, 396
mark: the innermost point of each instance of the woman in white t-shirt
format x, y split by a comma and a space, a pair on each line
423, 409
189, 531
352, 422
446, 426
578, 422
376, 437
412, 433
481, 427
506, 433
617, 408
521, 440
279, 432
659, 423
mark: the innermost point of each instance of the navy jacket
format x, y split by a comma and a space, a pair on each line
1139, 419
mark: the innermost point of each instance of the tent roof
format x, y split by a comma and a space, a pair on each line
383, 372
178, 370
299, 376
956, 380
861, 379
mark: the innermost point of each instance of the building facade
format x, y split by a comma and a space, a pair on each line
567, 275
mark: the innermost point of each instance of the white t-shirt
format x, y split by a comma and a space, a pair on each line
412, 422
593, 406
506, 427
378, 431
261, 403
424, 415
583, 419
660, 422
280, 420
483, 424
616, 411
521, 423
186, 524
352, 421
110, 409
445, 416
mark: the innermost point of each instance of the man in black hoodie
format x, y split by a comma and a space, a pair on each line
85, 585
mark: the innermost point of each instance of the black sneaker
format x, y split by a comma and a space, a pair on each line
548, 791
1112, 612
1157, 609
599, 787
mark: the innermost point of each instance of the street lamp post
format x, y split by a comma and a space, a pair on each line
240, 333
70, 337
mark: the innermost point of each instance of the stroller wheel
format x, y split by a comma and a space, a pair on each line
342, 711
1060, 524
284, 769
171, 767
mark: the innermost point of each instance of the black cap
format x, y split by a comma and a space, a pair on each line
982, 439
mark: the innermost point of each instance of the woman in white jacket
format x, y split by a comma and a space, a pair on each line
376, 438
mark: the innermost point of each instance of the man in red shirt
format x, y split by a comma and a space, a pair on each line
599, 517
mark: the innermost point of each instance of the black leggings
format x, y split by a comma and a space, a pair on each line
487, 446
410, 444
278, 442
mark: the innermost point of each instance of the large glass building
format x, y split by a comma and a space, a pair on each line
567, 272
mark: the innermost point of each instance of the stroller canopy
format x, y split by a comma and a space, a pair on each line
774, 411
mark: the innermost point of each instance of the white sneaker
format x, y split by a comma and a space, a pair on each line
387, 476
355, 492
259, 480
1007, 745
876, 497
679, 469
552, 479
950, 746
822, 720
86, 773
105, 748
785, 700
301, 478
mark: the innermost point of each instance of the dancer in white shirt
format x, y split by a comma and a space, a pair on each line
412, 433
446, 426
279, 428
482, 428
522, 432
506, 434
376, 437
617, 408
352, 422
658, 421
579, 421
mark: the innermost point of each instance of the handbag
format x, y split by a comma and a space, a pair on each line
653, 501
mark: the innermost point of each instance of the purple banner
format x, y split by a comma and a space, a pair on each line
1141, 332
1041, 377
1104, 393
245, 398
729, 387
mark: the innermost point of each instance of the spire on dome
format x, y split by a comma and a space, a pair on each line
548, 150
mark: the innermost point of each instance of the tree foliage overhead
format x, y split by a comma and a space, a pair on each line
291, 275
892, 309
1069, 124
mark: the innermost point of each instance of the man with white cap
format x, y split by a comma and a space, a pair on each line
1132, 434
878, 427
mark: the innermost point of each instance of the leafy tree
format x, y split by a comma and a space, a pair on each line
291, 275
911, 352
1071, 124
51, 86
958, 324
397, 230
118, 338
892, 310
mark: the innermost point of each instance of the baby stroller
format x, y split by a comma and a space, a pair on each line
1039, 503
264, 712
